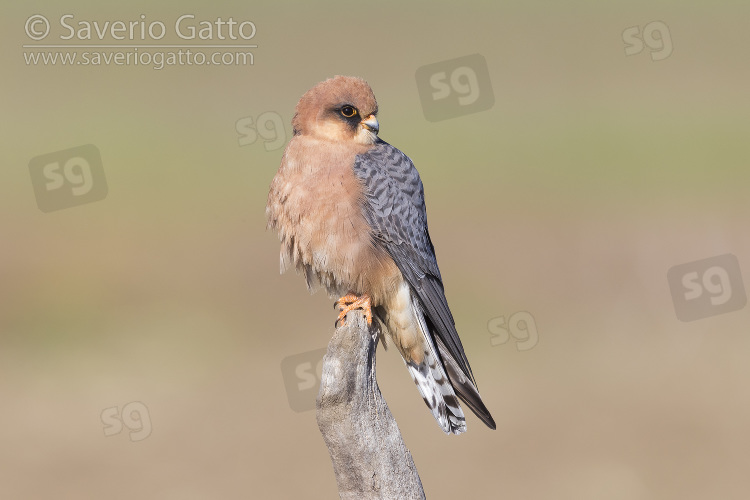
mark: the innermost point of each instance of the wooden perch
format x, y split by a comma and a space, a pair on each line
368, 454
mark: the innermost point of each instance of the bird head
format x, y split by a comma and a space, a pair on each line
342, 108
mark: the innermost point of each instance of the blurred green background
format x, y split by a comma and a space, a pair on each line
592, 175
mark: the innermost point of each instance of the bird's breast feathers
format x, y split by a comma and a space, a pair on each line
315, 203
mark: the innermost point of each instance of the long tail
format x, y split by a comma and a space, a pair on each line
440, 379
433, 383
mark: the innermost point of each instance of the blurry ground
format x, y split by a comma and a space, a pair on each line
589, 178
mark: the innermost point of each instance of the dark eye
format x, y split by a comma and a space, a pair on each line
348, 111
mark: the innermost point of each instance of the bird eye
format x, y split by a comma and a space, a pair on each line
348, 111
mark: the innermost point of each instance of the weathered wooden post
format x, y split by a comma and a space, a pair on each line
368, 454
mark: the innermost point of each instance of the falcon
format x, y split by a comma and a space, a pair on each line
350, 213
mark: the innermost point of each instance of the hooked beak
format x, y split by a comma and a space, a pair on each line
371, 124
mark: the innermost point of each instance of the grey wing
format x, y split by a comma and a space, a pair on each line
395, 209
397, 214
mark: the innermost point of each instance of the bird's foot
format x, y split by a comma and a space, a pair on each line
351, 302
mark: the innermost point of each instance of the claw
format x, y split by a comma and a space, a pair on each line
351, 302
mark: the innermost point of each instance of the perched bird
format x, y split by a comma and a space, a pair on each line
350, 213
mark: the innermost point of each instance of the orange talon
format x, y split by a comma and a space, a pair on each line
351, 302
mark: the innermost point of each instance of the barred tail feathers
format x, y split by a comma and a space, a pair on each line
433, 383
